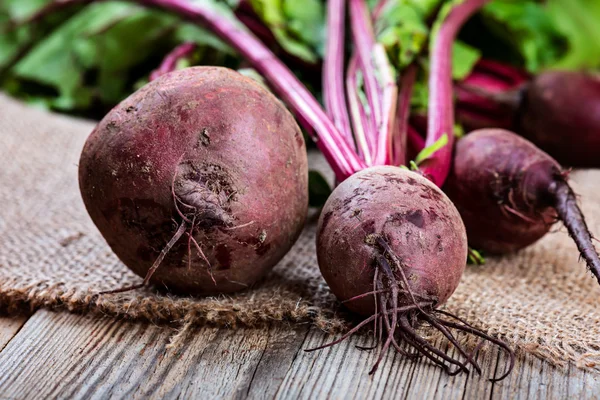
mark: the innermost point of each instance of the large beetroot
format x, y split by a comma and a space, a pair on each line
200, 177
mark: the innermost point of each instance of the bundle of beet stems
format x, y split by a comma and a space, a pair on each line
391, 245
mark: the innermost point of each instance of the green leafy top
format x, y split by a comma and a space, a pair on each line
403, 31
298, 26
408, 27
97, 55
533, 34
405, 28
527, 29
578, 21
541, 35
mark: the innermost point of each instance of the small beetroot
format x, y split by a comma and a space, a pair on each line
509, 193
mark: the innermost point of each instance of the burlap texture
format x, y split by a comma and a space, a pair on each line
541, 300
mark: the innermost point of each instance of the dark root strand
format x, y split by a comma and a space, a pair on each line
467, 328
180, 231
400, 322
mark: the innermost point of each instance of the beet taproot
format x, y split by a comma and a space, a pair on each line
202, 175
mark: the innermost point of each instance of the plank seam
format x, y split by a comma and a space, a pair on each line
16, 333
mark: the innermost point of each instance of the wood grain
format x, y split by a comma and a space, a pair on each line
9, 326
535, 379
342, 370
60, 355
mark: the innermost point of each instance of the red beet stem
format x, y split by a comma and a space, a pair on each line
400, 139
361, 119
506, 73
440, 108
333, 69
379, 82
364, 42
170, 61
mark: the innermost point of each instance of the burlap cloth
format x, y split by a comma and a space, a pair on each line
541, 300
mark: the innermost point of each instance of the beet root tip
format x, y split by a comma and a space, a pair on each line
573, 219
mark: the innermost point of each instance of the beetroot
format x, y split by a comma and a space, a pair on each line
509, 193
392, 246
560, 113
197, 181
417, 221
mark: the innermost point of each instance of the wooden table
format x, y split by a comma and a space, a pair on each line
68, 356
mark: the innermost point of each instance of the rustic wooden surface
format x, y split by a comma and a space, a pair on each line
67, 356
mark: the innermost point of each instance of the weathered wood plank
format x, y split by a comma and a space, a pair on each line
432, 382
59, 355
9, 326
230, 364
479, 387
284, 345
579, 388
341, 372
536, 379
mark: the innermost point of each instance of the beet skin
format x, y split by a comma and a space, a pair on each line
509, 193
560, 113
407, 211
201, 155
489, 184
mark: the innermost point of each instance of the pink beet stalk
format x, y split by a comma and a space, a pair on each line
440, 108
333, 69
389, 97
380, 87
361, 122
169, 64
399, 138
364, 42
